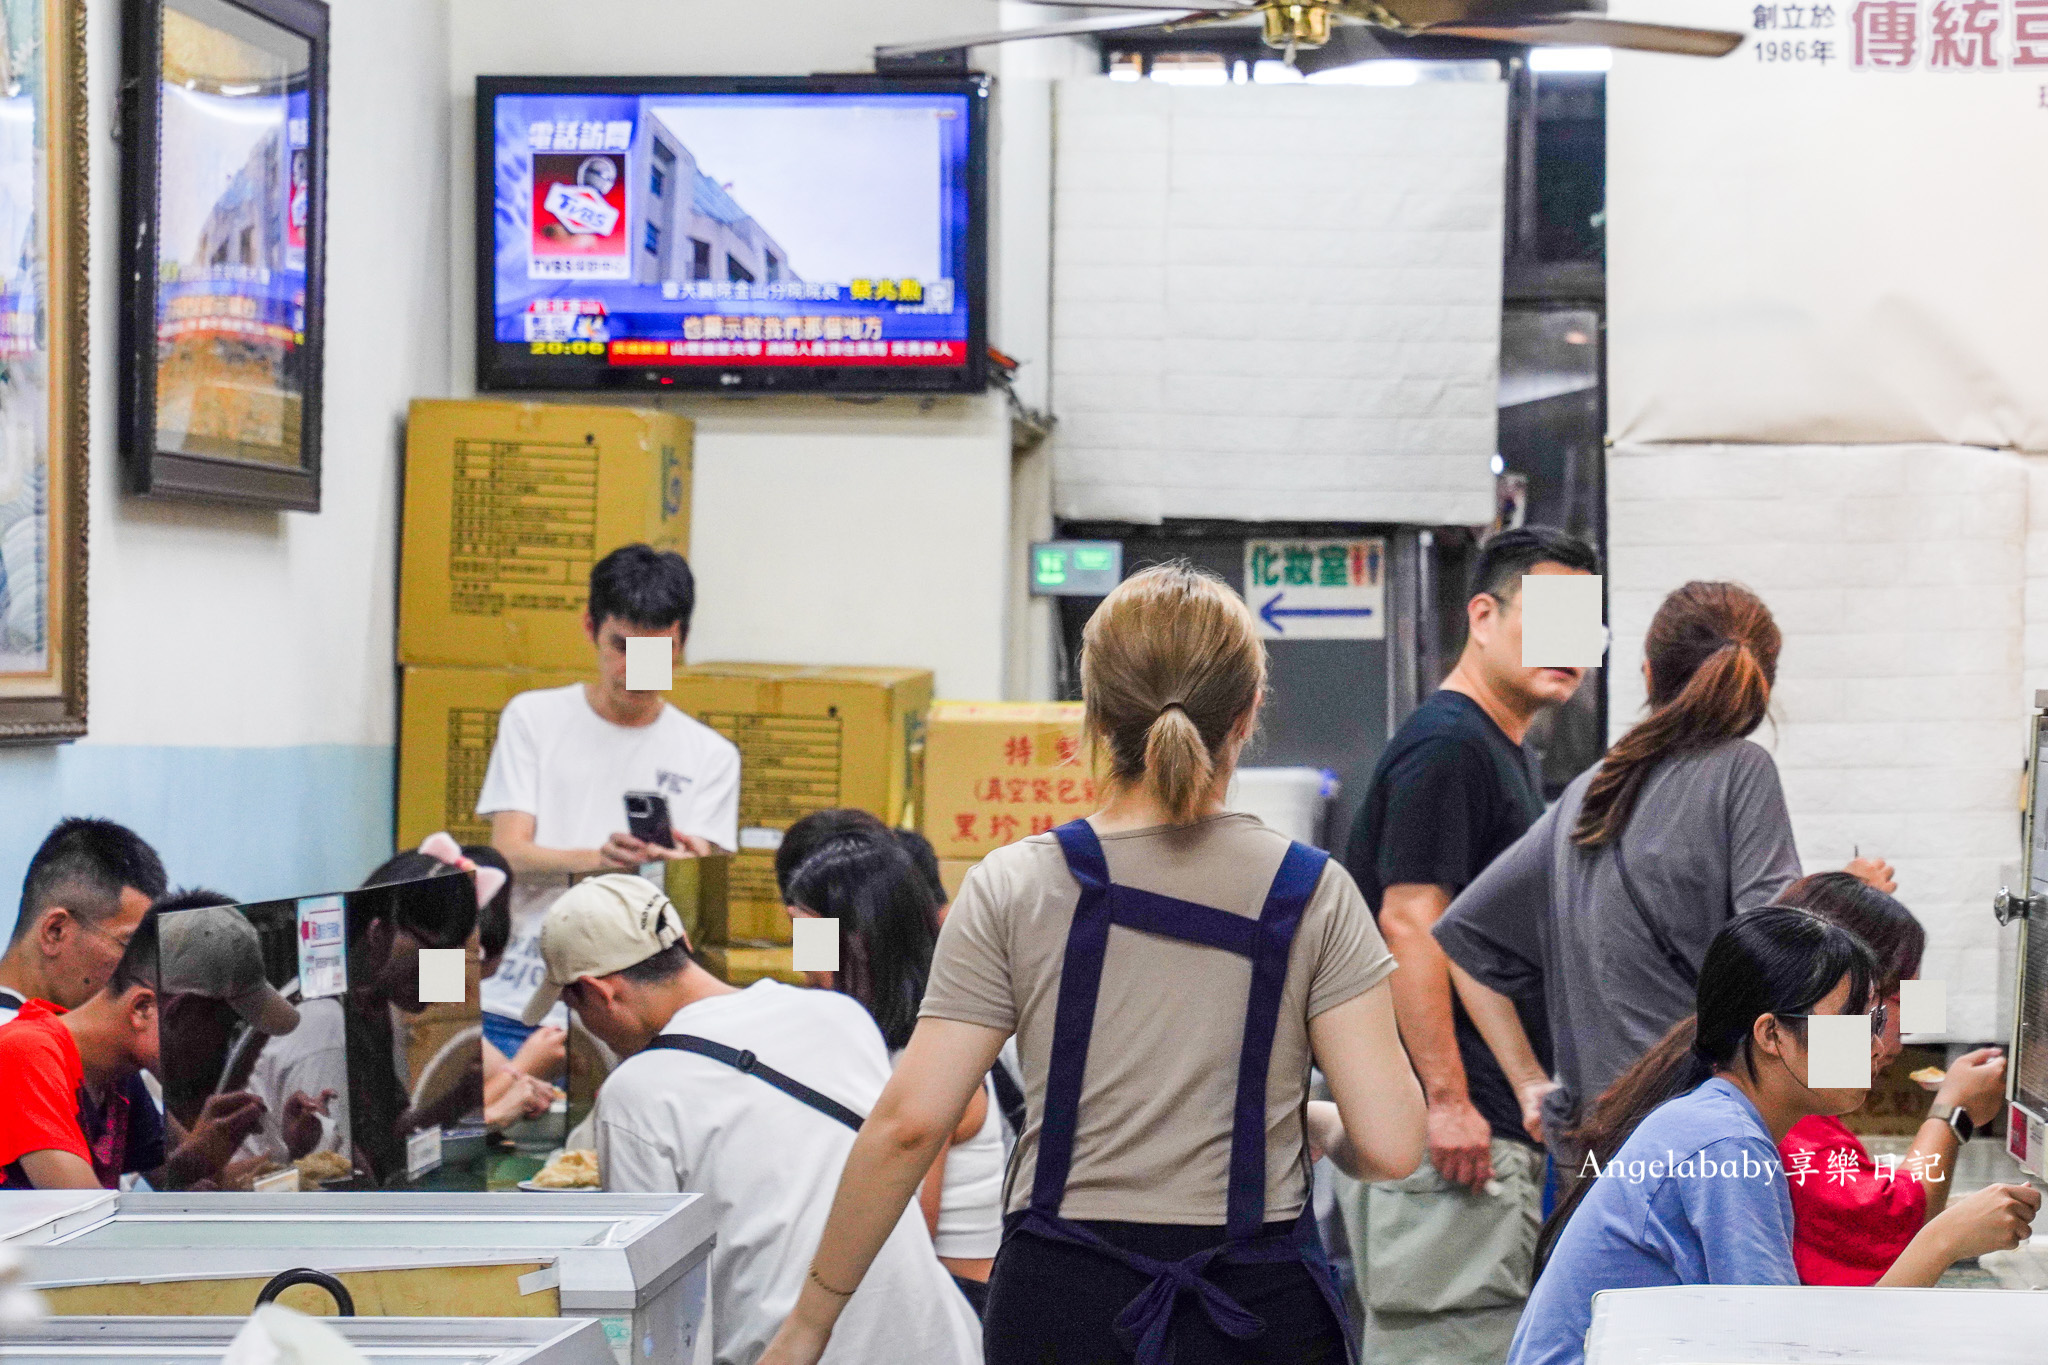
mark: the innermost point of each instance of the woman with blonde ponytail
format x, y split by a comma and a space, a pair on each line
1606, 906
1171, 970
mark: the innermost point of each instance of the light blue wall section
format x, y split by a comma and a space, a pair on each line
254, 823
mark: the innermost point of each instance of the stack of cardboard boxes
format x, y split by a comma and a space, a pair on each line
996, 772
507, 507
809, 739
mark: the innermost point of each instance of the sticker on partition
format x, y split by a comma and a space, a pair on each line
1838, 1051
1923, 1007
422, 1153
323, 948
618, 1334
2016, 1133
759, 839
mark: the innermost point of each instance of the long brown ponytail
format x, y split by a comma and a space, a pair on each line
1713, 653
1170, 663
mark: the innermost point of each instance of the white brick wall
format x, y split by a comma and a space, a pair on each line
1914, 604
1276, 302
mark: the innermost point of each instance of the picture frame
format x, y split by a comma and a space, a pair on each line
44, 401
223, 124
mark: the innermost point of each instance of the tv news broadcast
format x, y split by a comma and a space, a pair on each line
777, 236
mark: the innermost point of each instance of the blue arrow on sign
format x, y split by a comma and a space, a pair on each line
1273, 611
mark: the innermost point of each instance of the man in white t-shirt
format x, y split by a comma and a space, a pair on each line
566, 757
670, 1121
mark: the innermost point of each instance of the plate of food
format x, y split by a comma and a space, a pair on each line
571, 1170
1929, 1077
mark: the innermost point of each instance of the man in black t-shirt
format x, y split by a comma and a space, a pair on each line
1452, 790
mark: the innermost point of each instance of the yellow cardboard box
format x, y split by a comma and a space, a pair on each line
809, 739
995, 772
507, 507
745, 966
447, 723
953, 871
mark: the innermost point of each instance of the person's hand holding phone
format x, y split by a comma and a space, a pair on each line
687, 846
624, 853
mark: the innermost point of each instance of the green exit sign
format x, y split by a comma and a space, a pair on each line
1076, 568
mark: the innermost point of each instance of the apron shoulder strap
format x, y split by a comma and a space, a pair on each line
1301, 871
1083, 852
741, 1060
1073, 1015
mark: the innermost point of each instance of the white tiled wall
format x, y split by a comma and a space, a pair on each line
1276, 302
1911, 584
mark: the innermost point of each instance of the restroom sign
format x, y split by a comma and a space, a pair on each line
1317, 589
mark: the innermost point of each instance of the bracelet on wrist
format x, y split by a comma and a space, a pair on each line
835, 1293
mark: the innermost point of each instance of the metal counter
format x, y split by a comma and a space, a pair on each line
383, 1341
637, 1263
1759, 1325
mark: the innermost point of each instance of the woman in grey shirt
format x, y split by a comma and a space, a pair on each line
1609, 901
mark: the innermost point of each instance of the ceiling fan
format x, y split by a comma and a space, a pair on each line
1290, 26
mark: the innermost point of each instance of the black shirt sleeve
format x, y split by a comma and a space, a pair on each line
1438, 810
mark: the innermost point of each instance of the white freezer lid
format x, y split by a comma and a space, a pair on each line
26, 1213
383, 1341
1795, 1325
613, 1251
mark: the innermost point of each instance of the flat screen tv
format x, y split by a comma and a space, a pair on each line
747, 233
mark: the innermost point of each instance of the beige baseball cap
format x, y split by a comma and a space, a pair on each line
600, 926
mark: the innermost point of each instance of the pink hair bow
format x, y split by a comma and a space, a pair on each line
443, 848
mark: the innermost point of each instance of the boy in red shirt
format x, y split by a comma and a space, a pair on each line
69, 1122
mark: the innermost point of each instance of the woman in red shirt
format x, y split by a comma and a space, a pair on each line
1852, 1216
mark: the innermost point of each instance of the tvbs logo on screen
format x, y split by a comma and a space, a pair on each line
579, 201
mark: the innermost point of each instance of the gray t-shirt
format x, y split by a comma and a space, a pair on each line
1709, 838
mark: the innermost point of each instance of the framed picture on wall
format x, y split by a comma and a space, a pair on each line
224, 172
43, 404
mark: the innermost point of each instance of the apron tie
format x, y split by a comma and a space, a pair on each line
1146, 1320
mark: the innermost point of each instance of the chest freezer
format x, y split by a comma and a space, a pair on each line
383, 1341
638, 1264
1795, 1325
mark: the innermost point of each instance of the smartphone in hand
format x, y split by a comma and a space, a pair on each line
647, 819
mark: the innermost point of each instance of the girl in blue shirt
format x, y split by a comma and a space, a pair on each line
1681, 1182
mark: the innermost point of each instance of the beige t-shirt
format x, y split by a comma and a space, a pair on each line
1153, 1140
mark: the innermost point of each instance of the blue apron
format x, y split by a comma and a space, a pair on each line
1145, 1323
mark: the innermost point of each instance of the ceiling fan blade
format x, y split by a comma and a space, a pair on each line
1595, 30
1072, 28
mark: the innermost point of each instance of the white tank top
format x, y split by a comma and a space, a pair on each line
971, 1195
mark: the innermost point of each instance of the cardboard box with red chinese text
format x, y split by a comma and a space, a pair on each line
996, 772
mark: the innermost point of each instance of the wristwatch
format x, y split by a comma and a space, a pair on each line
1956, 1117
